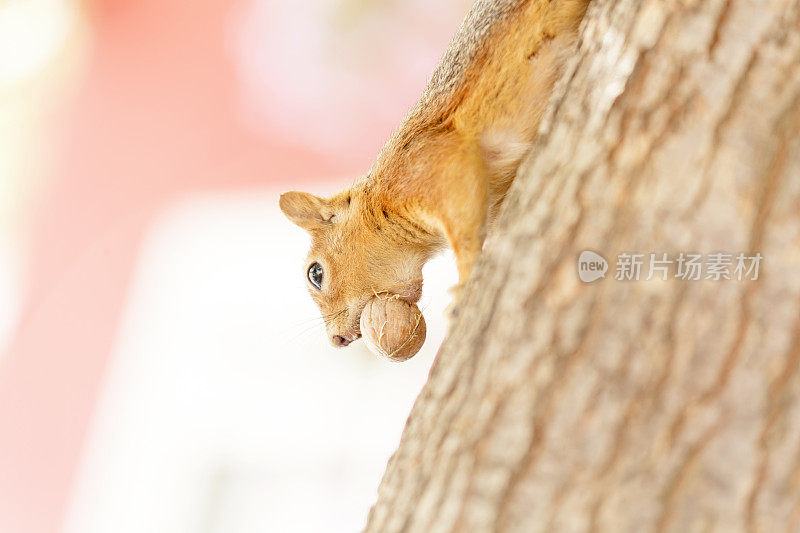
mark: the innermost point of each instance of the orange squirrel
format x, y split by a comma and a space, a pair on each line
442, 176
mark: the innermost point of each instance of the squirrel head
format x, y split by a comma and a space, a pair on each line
357, 251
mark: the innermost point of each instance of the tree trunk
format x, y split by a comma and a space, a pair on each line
617, 405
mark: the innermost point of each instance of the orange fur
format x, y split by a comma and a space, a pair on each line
443, 175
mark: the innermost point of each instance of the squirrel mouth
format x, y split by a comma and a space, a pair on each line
410, 291
355, 329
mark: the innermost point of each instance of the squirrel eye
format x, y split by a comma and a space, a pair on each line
315, 275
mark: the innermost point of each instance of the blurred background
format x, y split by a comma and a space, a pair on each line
161, 365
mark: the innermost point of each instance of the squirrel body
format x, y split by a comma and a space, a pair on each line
442, 176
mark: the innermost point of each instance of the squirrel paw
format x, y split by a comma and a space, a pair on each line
456, 293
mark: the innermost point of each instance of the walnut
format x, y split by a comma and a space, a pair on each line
392, 327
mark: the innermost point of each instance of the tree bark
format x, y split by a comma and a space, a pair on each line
558, 405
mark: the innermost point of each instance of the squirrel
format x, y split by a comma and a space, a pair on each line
442, 176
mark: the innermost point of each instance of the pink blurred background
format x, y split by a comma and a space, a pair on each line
114, 112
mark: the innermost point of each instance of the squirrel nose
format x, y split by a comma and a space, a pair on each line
339, 341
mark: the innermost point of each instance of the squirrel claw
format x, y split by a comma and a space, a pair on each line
456, 294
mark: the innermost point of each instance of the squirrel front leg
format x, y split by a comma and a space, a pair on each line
460, 204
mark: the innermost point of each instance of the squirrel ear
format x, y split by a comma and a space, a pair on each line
305, 210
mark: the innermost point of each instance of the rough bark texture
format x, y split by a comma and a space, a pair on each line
674, 405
